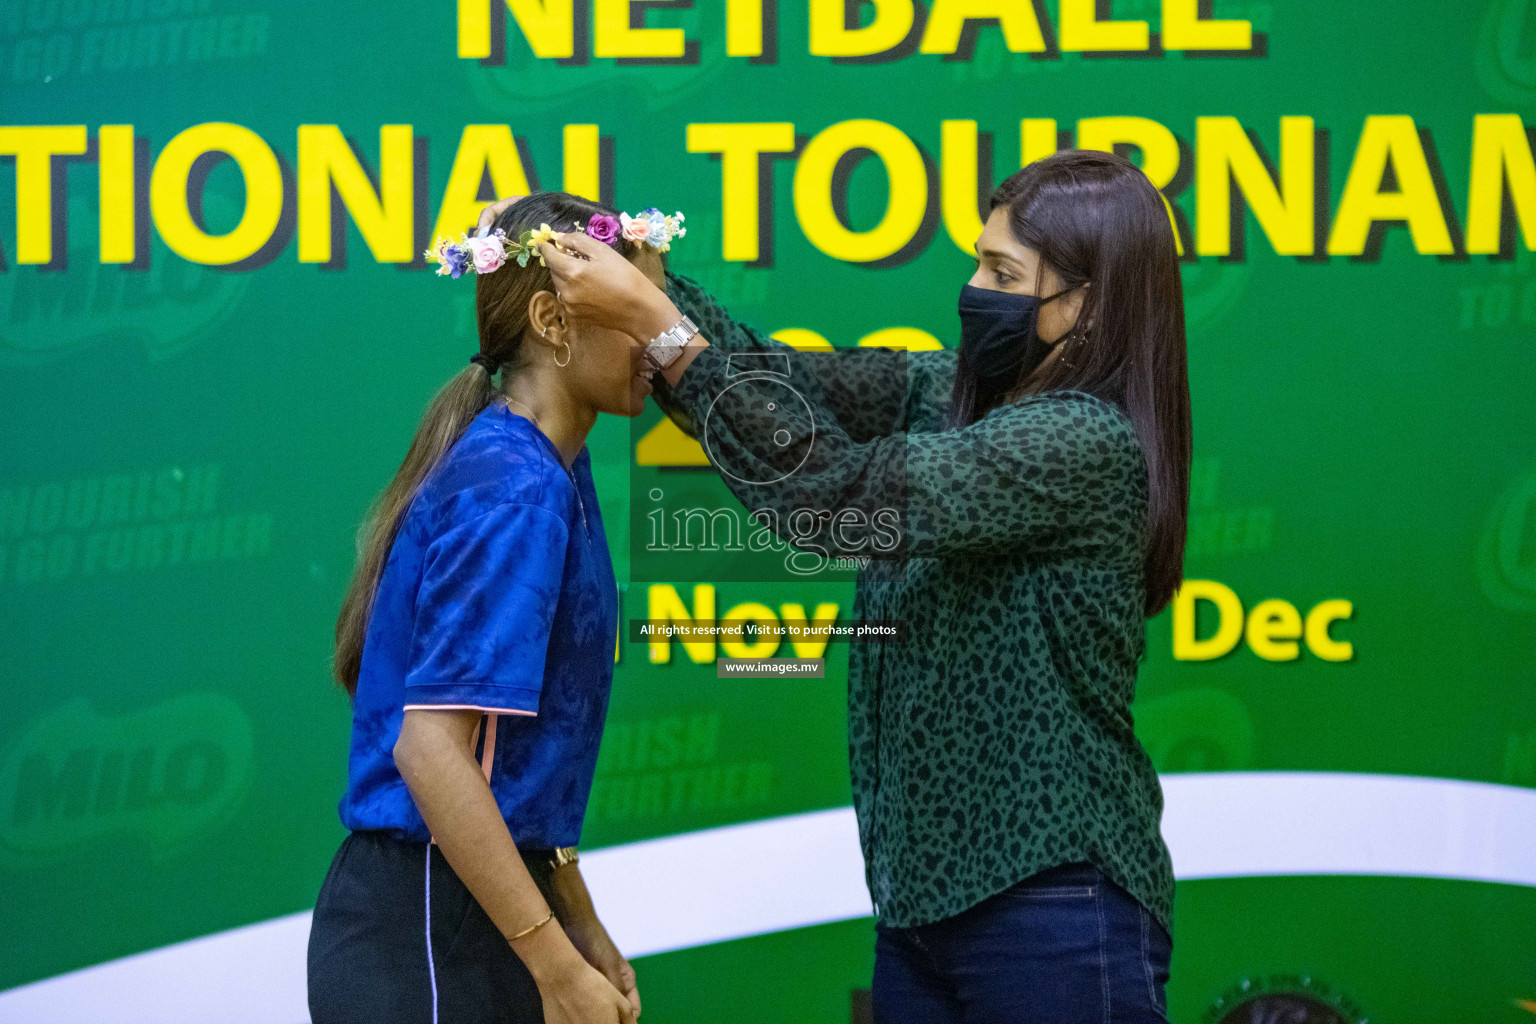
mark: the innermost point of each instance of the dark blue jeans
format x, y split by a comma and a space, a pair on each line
1066, 946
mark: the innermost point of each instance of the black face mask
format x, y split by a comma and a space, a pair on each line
998, 340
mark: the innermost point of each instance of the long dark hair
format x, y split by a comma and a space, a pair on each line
501, 313
1095, 217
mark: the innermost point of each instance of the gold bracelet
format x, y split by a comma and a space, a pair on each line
532, 928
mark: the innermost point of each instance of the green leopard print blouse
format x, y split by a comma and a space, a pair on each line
996, 741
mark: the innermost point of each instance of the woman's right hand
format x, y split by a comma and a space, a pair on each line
597, 285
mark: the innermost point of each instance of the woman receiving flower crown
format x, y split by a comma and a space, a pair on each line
477, 641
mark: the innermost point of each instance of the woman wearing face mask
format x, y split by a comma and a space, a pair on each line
477, 641
1009, 817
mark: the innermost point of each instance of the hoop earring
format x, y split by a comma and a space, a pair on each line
567, 355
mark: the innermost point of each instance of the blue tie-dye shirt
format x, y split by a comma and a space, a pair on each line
499, 595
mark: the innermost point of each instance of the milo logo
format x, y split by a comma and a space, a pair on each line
1505, 55
535, 84
1212, 291
166, 308
164, 774
1506, 553
1199, 730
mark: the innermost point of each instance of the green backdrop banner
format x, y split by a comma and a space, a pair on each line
217, 333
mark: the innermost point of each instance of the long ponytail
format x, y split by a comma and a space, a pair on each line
449, 414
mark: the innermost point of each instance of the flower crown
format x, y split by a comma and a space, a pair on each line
485, 253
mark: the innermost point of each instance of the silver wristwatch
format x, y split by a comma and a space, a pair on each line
664, 349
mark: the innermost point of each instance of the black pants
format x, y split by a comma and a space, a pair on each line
368, 945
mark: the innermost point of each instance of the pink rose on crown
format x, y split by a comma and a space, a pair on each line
488, 253
636, 229
603, 228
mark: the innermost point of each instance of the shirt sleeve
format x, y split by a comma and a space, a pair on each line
867, 389
484, 612
1061, 472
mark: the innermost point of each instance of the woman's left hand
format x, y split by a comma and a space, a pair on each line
598, 285
593, 943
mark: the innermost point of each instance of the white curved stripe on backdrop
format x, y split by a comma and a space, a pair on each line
805, 869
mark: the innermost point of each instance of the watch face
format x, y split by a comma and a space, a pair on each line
661, 354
